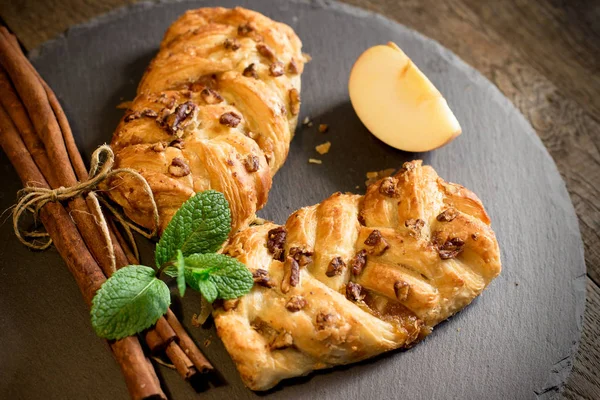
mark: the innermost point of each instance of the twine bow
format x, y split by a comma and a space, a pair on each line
32, 199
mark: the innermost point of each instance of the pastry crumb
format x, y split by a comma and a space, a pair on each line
306, 121
309, 124
323, 128
323, 148
207, 342
314, 161
374, 176
356, 187
124, 105
457, 329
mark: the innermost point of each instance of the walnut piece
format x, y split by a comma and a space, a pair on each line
250, 72
388, 187
230, 119
276, 69
265, 51
179, 168
451, 248
296, 303
275, 242
358, 262
245, 29
210, 96
377, 243
251, 163
447, 215
177, 143
335, 267
261, 277
301, 255
325, 320
401, 290
354, 292
414, 226
231, 44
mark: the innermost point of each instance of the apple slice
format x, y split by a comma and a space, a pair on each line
397, 102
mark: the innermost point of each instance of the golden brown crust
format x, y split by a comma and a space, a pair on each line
202, 120
376, 272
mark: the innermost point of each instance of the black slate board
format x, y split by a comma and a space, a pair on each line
515, 342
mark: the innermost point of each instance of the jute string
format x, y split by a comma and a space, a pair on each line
32, 199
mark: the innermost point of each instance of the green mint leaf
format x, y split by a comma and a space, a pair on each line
180, 263
171, 271
201, 225
131, 300
227, 276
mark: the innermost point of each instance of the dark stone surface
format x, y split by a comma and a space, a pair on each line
514, 342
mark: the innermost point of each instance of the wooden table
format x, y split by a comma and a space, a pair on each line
543, 55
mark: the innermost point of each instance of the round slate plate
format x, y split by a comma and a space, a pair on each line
514, 342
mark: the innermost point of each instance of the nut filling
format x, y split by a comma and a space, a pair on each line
251, 163
388, 187
296, 303
335, 267
401, 290
245, 29
276, 69
447, 215
180, 118
377, 243
250, 72
139, 114
414, 226
301, 255
451, 248
358, 262
354, 292
179, 168
276, 241
265, 51
210, 96
231, 44
230, 119
261, 277
291, 275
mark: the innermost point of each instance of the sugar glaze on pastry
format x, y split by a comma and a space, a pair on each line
355, 276
216, 109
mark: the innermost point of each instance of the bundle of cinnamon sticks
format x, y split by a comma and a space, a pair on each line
35, 135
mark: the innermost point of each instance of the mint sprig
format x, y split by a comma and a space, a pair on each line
132, 300
134, 297
217, 276
201, 225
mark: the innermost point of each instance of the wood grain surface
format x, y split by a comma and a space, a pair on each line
543, 55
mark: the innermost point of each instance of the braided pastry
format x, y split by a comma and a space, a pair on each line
216, 109
355, 276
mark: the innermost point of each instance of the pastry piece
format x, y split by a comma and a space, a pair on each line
355, 276
216, 109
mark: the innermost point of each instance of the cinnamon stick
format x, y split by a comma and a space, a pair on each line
188, 345
182, 363
141, 381
50, 141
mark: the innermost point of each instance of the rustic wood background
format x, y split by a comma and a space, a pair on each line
544, 55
